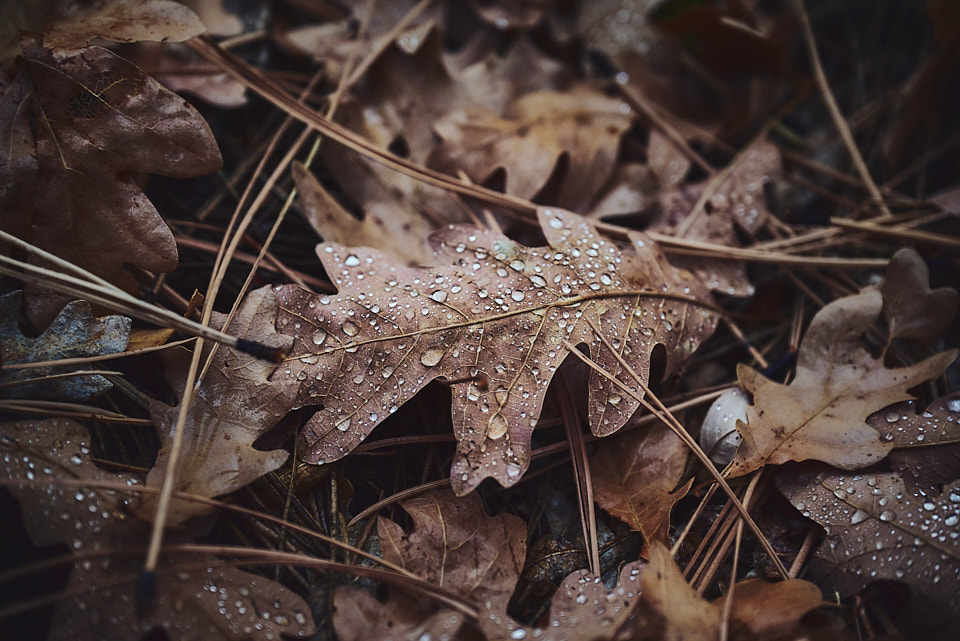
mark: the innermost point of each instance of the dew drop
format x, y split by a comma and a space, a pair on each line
859, 517
350, 329
555, 223
887, 515
497, 426
319, 336
954, 405
344, 425
431, 356
517, 295
351, 261
893, 417
439, 295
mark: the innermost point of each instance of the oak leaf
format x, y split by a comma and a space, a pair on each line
75, 332
198, 598
822, 413
878, 528
491, 308
453, 544
672, 609
636, 477
910, 307
234, 405
77, 126
579, 125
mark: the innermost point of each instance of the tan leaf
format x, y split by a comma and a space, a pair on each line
771, 610
121, 21
75, 332
878, 528
79, 126
822, 413
910, 307
580, 124
635, 478
512, 14
493, 308
679, 610
453, 544
234, 406
182, 71
201, 601
393, 230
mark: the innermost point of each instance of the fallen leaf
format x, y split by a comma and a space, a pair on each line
822, 413
512, 14
197, 598
182, 71
393, 230
78, 126
926, 444
74, 333
878, 528
453, 544
583, 609
672, 609
77, 23
494, 308
910, 307
580, 125
234, 405
636, 477
215, 17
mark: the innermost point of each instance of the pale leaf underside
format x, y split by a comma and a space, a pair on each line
491, 308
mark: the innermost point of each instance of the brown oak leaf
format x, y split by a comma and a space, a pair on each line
635, 478
910, 307
453, 544
491, 308
822, 413
198, 598
878, 528
78, 126
233, 407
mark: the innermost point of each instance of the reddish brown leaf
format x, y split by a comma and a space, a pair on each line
492, 307
201, 601
78, 126
878, 528
910, 307
635, 478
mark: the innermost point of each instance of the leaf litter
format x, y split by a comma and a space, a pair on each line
414, 93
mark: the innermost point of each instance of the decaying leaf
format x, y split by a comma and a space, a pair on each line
395, 230
822, 414
453, 544
75, 332
198, 599
492, 308
635, 478
879, 528
77, 126
580, 125
233, 407
682, 613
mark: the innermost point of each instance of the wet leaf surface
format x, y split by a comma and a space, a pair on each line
75, 332
496, 309
198, 598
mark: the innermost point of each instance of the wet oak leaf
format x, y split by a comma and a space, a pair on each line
822, 413
197, 597
121, 21
77, 127
583, 609
926, 444
635, 478
579, 125
879, 528
452, 544
235, 404
75, 332
494, 309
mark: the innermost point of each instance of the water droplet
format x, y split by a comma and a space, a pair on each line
517, 295
887, 515
344, 425
350, 329
351, 261
951, 521
555, 223
439, 295
319, 336
431, 356
519, 633
497, 426
859, 517
893, 417
954, 405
